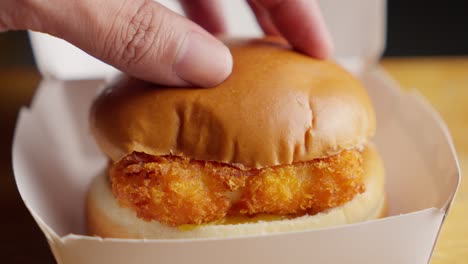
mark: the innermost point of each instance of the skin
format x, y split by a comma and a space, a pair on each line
150, 42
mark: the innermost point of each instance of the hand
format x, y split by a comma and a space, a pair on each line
148, 41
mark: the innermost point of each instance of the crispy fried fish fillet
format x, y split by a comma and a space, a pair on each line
177, 191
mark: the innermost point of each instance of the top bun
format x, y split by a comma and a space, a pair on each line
277, 107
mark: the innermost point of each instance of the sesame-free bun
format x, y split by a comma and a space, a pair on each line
107, 219
277, 107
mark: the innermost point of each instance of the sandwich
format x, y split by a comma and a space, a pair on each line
282, 145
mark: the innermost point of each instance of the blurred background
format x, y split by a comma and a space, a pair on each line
429, 30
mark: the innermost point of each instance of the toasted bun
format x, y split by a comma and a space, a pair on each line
277, 107
107, 219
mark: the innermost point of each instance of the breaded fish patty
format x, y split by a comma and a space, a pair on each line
178, 191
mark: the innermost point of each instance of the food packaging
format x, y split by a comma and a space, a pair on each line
55, 158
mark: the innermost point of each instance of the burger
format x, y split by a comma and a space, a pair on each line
282, 145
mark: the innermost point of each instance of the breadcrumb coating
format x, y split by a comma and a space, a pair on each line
179, 191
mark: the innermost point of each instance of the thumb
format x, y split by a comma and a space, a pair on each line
142, 38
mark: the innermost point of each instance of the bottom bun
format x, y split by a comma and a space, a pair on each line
107, 219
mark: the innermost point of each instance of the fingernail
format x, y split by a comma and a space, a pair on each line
203, 60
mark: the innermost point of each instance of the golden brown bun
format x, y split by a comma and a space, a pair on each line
107, 219
277, 107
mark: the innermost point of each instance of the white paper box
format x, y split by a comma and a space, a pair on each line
357, 27
55, 159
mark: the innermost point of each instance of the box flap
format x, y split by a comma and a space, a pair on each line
357, 27
406, 239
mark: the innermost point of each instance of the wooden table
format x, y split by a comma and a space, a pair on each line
443, 81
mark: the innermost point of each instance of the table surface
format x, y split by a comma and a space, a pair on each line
443, 81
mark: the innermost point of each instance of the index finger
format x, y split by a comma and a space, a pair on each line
302, 24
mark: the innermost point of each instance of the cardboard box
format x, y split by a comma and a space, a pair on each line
55, 159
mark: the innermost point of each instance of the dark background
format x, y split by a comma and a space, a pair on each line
415, 28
